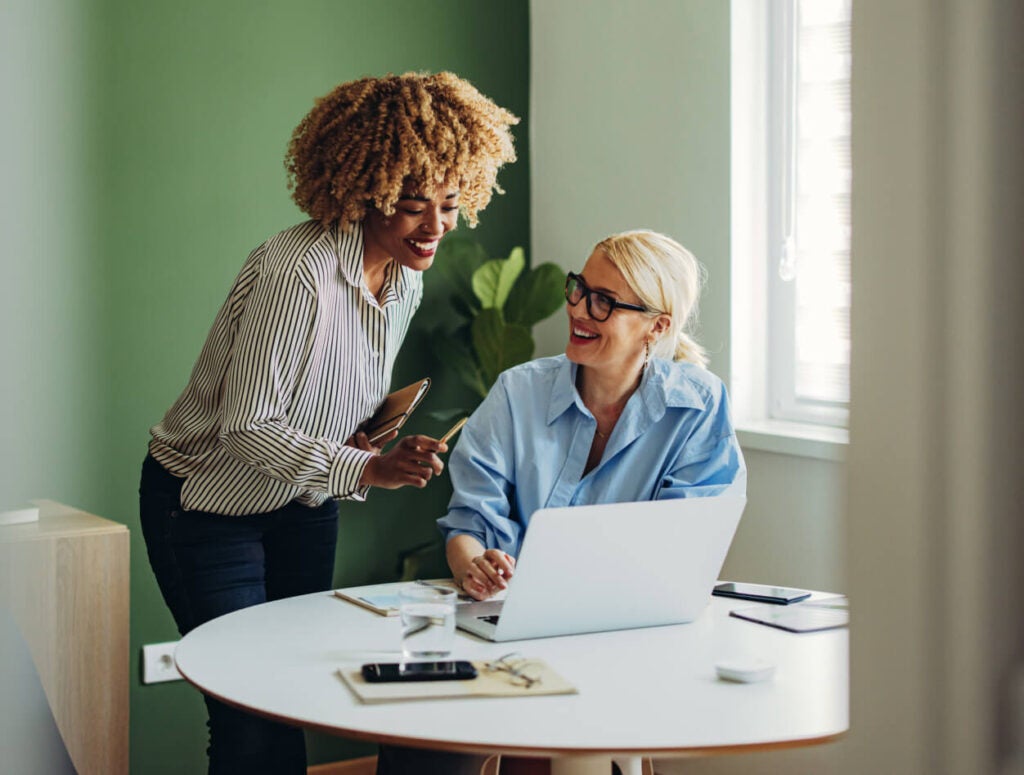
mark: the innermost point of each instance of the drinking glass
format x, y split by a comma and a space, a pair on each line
428, 621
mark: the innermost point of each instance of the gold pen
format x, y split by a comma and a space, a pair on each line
454, 429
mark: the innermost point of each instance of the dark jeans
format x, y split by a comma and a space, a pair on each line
208, 565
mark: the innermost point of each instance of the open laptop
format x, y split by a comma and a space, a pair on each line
612, 566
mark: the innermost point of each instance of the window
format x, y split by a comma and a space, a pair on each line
791, 210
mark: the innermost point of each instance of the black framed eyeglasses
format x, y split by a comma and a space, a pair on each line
600, 306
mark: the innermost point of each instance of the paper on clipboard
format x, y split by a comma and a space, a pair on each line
383, 598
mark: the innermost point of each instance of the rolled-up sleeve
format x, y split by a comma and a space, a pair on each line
274, 340
710, 462
482, 468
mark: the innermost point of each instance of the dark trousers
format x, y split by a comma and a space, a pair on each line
208, 565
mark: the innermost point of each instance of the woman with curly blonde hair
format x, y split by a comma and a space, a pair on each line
239, 489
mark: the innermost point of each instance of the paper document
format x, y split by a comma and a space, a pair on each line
383, 598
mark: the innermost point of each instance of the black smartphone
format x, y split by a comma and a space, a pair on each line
383, 672
762, 593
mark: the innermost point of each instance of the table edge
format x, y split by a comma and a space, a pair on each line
514, 750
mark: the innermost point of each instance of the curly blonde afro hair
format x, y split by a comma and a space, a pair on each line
362, 143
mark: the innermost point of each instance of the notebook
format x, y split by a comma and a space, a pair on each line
611, 567
396, 409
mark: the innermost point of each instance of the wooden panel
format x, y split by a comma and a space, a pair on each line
366, 765
65, 581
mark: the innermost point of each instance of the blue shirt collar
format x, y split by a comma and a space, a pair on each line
660, 387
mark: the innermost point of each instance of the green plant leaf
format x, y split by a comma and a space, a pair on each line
537, 295
499, 346
493, 281
447, 415
457, 259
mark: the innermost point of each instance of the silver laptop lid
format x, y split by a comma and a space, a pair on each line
617, 566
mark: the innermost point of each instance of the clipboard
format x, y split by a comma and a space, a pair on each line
383, 598
396, 408
486, 684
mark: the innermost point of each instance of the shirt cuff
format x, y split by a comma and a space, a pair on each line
346, 471
448, 533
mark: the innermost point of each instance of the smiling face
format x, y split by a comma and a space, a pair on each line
410, 236
615, 344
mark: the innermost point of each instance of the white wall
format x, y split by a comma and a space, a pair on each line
630, 129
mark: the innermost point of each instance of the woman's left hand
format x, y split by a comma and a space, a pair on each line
412, 461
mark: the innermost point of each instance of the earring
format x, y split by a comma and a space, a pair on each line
647, 353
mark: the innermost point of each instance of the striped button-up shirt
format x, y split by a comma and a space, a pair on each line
299, 354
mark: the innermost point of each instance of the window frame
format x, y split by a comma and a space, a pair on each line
764, 174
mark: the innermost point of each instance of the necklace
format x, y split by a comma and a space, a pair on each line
602, 435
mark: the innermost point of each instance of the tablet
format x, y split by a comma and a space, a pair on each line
828, 614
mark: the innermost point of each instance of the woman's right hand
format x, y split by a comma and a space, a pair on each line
411, 462
487, 574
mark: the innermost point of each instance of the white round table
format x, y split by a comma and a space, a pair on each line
644, 692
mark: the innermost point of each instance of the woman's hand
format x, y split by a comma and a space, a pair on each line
360, 440
412, 461
487, 574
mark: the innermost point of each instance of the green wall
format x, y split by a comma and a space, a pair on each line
196, 105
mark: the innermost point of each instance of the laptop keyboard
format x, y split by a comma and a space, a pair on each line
492, 619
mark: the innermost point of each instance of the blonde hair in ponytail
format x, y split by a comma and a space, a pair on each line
667, 278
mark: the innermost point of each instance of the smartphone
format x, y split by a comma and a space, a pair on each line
762, 593
384, 672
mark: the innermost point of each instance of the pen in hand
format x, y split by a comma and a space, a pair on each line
453, 430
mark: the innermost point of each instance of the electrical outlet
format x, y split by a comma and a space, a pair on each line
158, 663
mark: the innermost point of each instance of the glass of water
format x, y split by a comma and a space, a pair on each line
428, 621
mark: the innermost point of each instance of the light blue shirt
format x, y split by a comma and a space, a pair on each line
527, 444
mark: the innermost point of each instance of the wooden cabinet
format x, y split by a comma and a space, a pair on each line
65, 581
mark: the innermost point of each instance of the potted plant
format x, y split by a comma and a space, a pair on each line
480, 324
495, 302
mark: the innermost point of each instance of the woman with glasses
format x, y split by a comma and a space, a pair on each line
628, 413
